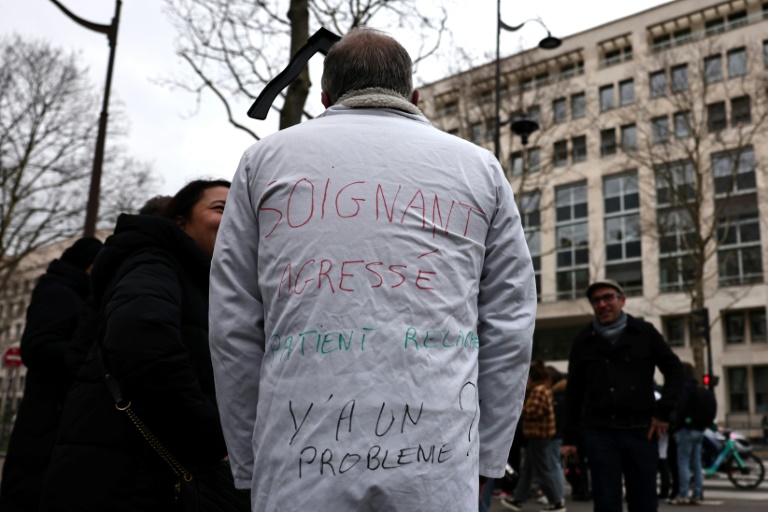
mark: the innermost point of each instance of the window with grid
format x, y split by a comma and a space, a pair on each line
746, 326
716, 118
682, 36
737, 19
534, 160
579, 149
740, 111
534, 114
476, 133
658, 83
627, 92
490, 129
739, 253
560, 153
713, 69
679, 75
682, 124
674, 330
714, 26
623, 253
529, 205
578, 105
738, 400
677, 233
734, 171
516, 163
660, 129
559, 111
737, 62
760, 384
572, 239
607, 100
629, 137
608, 142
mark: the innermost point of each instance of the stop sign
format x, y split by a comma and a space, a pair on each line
12, 358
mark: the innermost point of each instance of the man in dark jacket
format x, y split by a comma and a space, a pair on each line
52, 316
610, 395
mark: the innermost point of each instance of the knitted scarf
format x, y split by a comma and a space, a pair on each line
377, 97
611, 332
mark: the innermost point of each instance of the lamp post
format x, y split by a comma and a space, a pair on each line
110, 31
548, 43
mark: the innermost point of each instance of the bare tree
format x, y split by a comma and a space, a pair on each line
234, 47
48, 114
695, 135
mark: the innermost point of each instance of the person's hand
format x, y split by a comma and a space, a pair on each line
568, 449
658, 427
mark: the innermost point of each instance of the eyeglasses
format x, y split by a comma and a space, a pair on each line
607, 298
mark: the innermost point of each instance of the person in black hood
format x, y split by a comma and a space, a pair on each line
151, 286
56, 303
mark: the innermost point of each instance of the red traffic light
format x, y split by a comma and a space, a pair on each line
705, 379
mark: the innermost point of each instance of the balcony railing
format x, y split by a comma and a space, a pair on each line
711, 31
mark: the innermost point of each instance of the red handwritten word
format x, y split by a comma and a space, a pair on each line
299, 209
351, 275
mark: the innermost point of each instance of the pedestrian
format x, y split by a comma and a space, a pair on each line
151, 286
539, 427
559, 385
610, 396
696, 411
384, 344
54, 308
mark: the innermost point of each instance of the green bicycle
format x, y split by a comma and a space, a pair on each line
731, 453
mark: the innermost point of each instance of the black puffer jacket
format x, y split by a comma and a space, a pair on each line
152, 283
52, 316
611, 386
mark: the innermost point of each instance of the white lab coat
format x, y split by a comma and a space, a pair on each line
371, 281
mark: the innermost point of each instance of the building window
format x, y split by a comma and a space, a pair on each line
658, 81
737, 19
674, 330
714, 26
572, 235
737, 62
734, 171
660, 129
760, 381
608, 142
677, 233
740, 111
516, 163
713, 69
737, 389
616, 56
622, 232
572, 69
530, 216
682, 36
490, 130
765, 54
629, 137
682, 124
679, 78
579, 149
476, 131
745, 326
606, 98
661, 42
675, 183
560, 153
534, 160
627, 92
534, 114
559, 111
716, 118
578, 105
739, 257
448, 109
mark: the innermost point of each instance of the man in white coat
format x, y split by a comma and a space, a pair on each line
372, 304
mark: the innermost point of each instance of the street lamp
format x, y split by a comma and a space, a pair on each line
110, 30
548, 43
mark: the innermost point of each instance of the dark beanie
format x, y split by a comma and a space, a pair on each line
82, 253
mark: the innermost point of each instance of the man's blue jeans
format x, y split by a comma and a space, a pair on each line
613, 452
557, 462
689, 459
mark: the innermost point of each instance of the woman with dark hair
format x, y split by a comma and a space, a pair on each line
151, 286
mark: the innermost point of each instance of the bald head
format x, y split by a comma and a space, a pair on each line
367, 58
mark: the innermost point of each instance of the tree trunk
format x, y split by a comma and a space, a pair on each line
298, 90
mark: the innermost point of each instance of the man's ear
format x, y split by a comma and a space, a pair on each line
325, 99
415, 97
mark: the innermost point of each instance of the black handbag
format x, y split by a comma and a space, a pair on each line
207, 489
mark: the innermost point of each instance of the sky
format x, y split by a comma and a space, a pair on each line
185, 141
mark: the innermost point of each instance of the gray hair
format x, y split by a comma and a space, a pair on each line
365, 58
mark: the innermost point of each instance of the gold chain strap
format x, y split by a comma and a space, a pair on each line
155, 443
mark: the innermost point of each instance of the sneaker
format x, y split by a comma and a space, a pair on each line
558, 507
517, 506
542, 500
500, 493
680, 501
696, 501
